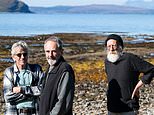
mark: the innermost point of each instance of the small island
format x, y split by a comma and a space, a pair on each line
14, 6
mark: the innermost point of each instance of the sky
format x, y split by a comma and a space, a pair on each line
47, 3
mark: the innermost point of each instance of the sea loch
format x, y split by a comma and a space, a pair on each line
17, 24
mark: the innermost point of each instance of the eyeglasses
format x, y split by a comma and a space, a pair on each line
20, 54
111, 46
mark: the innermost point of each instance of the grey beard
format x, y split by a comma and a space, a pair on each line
113, 57
51, 62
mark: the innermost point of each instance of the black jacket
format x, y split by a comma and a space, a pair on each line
123, 76
49, 96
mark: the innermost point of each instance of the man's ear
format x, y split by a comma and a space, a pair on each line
62, 50
13, 58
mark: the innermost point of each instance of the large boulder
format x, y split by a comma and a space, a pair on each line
13, 6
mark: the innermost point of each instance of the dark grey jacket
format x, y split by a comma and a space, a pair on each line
123, 76
58, 90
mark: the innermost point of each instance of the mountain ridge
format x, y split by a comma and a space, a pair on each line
93, 8
141, 3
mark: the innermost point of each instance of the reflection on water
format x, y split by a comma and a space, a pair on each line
137, 38
36, 45
6, 60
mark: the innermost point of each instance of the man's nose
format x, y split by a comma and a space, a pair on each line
51, 53
22, 56
111, 48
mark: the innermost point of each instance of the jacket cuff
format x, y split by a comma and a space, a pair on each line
23, 88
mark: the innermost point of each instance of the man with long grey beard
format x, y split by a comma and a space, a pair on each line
123, 70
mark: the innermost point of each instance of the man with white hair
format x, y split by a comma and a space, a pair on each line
123, 70
20, 83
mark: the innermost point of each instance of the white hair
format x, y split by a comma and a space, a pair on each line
21, 44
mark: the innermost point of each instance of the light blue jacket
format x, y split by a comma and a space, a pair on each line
10, 81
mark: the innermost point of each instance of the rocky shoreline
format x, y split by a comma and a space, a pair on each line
85, 52
90, 99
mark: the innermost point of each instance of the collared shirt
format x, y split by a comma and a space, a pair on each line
25, 79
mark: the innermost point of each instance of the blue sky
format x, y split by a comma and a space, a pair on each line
47, 3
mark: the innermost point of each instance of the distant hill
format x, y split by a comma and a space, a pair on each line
13, 6
106, 9
141, 3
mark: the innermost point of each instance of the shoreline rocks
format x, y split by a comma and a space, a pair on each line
90, 99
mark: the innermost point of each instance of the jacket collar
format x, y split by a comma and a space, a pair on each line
17, 70
56, 66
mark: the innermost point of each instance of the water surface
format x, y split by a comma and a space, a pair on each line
34, 24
